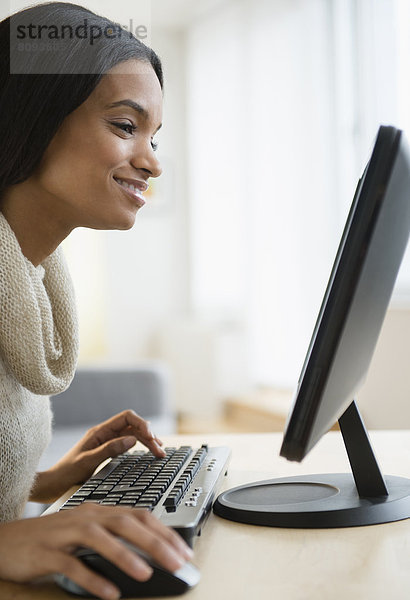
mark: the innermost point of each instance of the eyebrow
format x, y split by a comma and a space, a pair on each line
135, 106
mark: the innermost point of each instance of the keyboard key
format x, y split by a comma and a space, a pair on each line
128, 502
104, 488
114, 497
143, 505
122, 487
82, 493
171, 500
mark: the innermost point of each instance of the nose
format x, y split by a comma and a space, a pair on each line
145, 159
157, 170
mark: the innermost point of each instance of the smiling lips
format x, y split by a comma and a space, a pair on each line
134, 187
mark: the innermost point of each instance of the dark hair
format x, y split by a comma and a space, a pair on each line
39, 88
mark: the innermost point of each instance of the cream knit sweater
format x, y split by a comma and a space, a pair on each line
38, 354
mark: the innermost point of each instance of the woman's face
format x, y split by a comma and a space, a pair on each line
97, 166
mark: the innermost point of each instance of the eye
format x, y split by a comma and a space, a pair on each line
127, 127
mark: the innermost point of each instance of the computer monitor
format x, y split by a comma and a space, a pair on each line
343, 341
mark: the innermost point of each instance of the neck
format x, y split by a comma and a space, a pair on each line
37, 227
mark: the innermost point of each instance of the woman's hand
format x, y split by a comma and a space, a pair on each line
112, 437
32, 548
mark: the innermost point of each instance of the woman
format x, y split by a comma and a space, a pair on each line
77, 123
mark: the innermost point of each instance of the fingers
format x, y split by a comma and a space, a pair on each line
164, 545
125, 419
172, 538
154, 445
99, 539
130, 424
139, 534
110, 449
75, 570
139, 528
141, 428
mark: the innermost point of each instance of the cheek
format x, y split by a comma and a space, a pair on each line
75, 167
98, 160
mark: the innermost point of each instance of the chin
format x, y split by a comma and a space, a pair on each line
120, 224
126, 227
124, 222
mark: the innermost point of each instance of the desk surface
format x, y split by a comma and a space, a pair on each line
240, 561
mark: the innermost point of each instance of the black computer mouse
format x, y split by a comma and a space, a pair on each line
161, 583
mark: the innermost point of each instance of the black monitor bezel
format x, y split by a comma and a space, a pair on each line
340, 290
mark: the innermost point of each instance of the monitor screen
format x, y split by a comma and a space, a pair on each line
357, 296
350, 319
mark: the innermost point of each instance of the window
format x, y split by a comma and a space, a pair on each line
284, 100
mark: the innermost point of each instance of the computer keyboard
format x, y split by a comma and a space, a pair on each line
179, 489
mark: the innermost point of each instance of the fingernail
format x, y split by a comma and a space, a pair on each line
188, 552
142, 569
159, 448
180, 562
111, 593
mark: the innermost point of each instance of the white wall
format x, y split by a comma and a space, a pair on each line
384, 400
264, 218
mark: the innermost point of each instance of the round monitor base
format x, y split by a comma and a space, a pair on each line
313, 501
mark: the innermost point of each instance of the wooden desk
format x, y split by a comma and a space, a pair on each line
239, 562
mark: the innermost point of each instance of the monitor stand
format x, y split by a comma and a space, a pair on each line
363, 497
